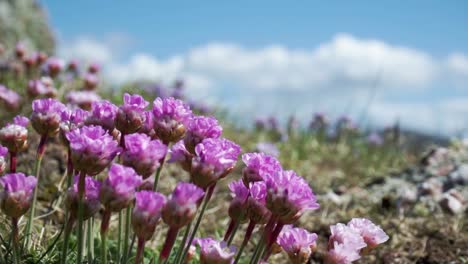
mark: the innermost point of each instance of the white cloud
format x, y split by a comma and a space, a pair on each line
87, 49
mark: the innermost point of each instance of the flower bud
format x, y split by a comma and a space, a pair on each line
94, 68
256, 204
238, 206
54, 66
43, 87
91, 202
17, 193
130, 116
20, 50
15, 136
46, 116
171, 117
182, 205
118, 189
146, 213
9, 99
90, 81
215, 252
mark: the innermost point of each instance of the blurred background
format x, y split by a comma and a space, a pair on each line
379, 63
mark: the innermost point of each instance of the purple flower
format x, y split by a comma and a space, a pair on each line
342, 254
14, 136
180, 155
90, 81
94, 68
319, 122
72, 119
259, 166
46, 116
82, 99
215, 252
9, 98
148, 125
20, 50
92, 149
3, 153
371, 233
92, 204
298, 243
42, 87
182, 205
103, 113
214, 159
171, 118
143, 154
374, 139
200, 128
345, 239
131, 115
288, 196
54, 66
256, 205
17, 193
118, 189
146, 213
238, 205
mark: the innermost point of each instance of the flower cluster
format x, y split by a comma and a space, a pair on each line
171, 118
17, 193
131, 115
146, 213
118, 189
298, 243
46, 116
15, 136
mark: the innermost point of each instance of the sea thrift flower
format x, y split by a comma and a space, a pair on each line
118, 189
103, 114
298, 243
130, 116
146, 213
73, 66
72, 119
215, 252
17, 193
143, 154
214, 159
92, 149
200, 128
258, 166
148, 125
90, 81
238, 205
54, 66
371, 233
46, 116
42, 87
171, 118
180, 155
3, 153
182, 205
82, 99
374, 139
344, 244
91, 202
94, 68
14, 136
319, 122
9, 98
288, 196
20, 50
256, 205
342, 254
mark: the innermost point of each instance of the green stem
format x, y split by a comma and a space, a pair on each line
89, 241
128, 216
68, 229
233, 234
119, 238
247, 236
81, 193
182, 244
37, 169
158, 173
197, 224
104, 227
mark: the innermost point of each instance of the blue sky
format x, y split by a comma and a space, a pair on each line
330, 52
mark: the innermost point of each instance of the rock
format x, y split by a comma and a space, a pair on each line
460, 175
438, 162
25, 21
452, 201
433, 187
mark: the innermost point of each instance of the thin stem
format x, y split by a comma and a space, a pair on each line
200, 216
182, 245
128, 215
263, 240
15, 238
119, 238
248, 235
168, 244
81, 193
37, 169
273, 238
89, 241
104, 227
140, 249
233, 234
69, 169
68, 229
158, 173
13, 157
228, 233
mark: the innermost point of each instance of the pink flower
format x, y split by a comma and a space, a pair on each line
371, 233
103, 113
298, 243
200, 128
47, 115
92, 204
17, 193
131, 115
258, 166
15, 136
171, 118
182, 205
146, 213
9, 98
215, 252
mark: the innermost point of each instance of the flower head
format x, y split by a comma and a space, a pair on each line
259, 166
55, 66
90, 81
47, 115
256, 205
103, 113
238, 205
82, 99
14, 136
148, 125
180, 155
171, 118
131, 115
42, 87
92, 149
342, 254
9, 98
289, 195
215, 252
17, 193
182, 205
370, 232
3, 153
92, 204
214, 159
374, 139
118, 189
143, 154
298, 243
146, 213
200, 128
